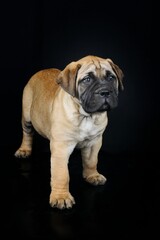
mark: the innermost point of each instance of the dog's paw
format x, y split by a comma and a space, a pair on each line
22, 153
96, 179
61, 200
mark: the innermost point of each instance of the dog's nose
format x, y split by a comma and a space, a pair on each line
104, 93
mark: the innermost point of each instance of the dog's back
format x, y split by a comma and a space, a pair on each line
45, 80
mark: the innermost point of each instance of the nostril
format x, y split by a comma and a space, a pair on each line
104, 93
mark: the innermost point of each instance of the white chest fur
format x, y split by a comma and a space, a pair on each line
90, 128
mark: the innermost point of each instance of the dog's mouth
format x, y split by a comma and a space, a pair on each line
99, 101
92, 108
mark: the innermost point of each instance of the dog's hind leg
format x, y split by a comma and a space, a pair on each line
25, 148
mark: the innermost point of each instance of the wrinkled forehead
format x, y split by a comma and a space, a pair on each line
98, 68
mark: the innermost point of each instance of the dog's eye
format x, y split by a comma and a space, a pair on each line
86, 79
110, 77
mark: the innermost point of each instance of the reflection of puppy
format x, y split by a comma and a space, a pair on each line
69, 108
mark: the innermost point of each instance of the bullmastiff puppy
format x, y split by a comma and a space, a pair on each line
69, 108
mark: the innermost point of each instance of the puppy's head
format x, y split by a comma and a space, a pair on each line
94, 81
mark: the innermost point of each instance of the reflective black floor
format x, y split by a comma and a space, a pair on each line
127, 207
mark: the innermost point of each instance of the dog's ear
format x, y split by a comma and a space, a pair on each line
118, 72
67, 78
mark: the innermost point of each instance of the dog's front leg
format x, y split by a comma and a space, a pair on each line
60, 196
90, 160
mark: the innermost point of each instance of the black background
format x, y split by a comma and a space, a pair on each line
42, 34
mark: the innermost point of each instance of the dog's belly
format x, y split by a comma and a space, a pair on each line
41, 121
